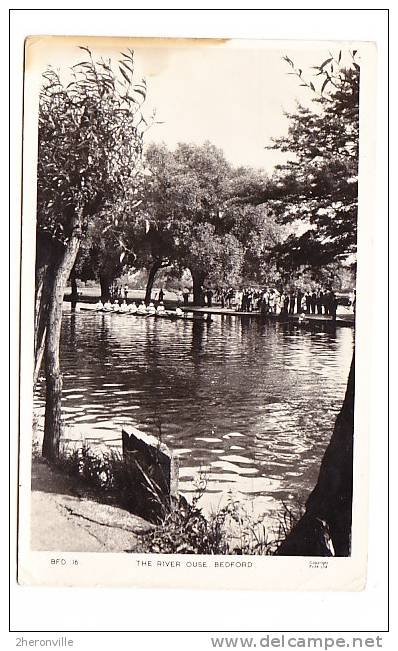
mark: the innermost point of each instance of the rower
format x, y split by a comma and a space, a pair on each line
151, 309
116, 307
108, 306
160, 308
179, 312
133, 308
99, 306
124, 307
141, 308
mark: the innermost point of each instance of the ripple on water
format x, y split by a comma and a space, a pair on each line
251, 403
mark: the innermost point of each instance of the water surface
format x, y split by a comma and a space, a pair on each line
250, 403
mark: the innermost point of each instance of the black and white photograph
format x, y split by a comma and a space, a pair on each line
191, 255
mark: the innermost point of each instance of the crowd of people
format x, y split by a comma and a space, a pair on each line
315, 301
118, 292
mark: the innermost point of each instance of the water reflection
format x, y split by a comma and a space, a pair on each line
250, 402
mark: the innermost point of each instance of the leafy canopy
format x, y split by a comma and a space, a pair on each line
318, 184
90, 143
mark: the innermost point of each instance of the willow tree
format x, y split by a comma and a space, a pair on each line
183, 203
89, 148
155, 236
105, 254
199, 216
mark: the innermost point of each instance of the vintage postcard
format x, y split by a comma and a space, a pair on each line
197, 220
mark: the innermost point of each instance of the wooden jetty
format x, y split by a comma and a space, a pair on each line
340, 320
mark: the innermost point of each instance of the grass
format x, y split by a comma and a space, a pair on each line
181, 526
118, 478
185, 530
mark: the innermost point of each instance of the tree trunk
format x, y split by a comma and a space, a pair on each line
197, 282
48, 256
153, 270
52, 420
42, 298
39, 356
325, 528
105, 282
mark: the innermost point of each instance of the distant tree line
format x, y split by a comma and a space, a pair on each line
186, 217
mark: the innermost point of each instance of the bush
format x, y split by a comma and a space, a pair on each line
182, 527
185, 530
230, 530
119, 478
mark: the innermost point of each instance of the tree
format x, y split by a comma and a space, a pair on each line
257, 230
211, 258
317, 187
184, 193
325, 145
198, 217
154, 232
103, 256
89, 148
254, 225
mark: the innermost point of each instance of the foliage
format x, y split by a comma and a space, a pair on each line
216, 258
287, 518
318, 184
83, 462
184, 528
112, 474
103, 253
90, 142
257, 229
152, 234
183, 199
189, 212
186, 531
194, 203
231, 530
89, 148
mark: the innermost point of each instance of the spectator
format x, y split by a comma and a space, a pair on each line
319, 302
299, 299
307, 298
292, 302
313, 302
333, 305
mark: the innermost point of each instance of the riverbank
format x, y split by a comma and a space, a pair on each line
344, 317
69, 515
93, 294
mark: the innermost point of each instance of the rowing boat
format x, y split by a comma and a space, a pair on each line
167, 314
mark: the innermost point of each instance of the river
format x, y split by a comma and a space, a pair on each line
250, 403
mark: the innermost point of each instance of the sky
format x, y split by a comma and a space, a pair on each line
232, 93
235, 98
